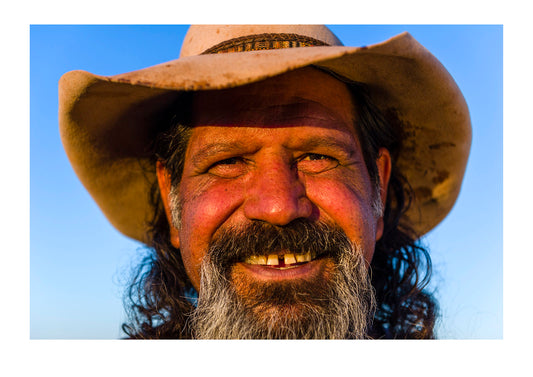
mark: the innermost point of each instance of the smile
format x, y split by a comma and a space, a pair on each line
281, 261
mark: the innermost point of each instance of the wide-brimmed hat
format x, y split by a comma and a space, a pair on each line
108, 123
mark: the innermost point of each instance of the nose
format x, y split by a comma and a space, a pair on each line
275, 194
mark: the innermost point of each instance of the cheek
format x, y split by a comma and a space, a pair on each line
203, 212
349, 206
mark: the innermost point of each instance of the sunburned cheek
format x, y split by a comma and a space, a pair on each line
205, 209
204, 213
346, 205
212, 203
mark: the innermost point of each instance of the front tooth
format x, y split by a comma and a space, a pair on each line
289, 259
272, 260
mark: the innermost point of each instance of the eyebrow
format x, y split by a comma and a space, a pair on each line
214, 149
314, 142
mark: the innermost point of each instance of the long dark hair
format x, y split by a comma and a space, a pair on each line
401, 266
160, 295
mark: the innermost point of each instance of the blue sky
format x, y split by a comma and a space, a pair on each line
79, 262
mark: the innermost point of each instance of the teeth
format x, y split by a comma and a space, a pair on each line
289, 259
273, 259
303, 257
257, 259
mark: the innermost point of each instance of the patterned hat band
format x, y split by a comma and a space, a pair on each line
263, 42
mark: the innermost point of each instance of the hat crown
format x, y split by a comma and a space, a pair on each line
200, 38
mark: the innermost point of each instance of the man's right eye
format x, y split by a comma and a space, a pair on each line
228, 168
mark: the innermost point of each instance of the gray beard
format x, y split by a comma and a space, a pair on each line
341, 310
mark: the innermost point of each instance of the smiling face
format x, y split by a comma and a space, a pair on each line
275, 152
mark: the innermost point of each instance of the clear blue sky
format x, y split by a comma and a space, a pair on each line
79, 262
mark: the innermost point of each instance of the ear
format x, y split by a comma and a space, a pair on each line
163, 178
383, 163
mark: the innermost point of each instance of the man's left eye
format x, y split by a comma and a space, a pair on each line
313, 163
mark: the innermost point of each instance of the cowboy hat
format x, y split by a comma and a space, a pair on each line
107, 122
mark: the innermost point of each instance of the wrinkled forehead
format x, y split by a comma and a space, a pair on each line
304, 97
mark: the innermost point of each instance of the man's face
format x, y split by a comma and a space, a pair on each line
274, 152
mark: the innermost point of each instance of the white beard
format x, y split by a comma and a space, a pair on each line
344, 314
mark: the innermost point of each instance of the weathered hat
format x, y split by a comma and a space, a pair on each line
107, 123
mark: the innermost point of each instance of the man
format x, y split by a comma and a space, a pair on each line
281, 179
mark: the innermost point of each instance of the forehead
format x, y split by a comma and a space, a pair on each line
306, 97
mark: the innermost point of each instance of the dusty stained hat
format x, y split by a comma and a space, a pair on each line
107, 123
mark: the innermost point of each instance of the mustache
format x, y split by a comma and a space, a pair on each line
235, 244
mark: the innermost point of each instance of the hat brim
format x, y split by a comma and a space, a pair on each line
107, 123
